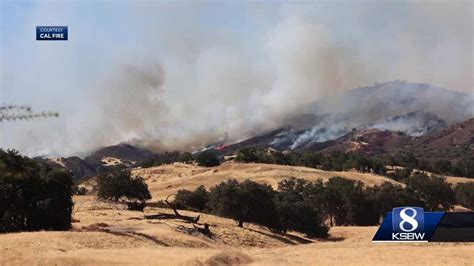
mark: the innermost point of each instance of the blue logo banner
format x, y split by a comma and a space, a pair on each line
408, 224
51, 33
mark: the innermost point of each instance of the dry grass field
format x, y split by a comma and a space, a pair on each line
107, 234
167, 179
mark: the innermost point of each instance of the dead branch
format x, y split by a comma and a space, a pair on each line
186, 218
205, 230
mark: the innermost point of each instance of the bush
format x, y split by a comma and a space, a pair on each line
118, 184
79, 190
401, 174
192, 200
465, 194
433, 190
207, 159
244, 202
33, 196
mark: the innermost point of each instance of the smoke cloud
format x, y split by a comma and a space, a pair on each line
185, 78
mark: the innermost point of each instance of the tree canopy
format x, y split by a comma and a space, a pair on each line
119, 183
33, 196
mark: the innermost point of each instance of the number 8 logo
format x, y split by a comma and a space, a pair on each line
408, 219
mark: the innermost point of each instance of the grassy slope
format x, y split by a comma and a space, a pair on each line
167, 179
108, 234
125, 237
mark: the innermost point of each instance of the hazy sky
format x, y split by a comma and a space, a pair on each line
181, 73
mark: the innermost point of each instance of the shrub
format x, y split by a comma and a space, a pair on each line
465, 194
33, 196
207, 159
401, 174
118, 184
228, 257
79, 190
192, 200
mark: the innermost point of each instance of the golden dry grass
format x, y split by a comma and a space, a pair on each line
167, 179
108, 235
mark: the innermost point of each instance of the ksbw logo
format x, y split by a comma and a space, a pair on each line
408, 223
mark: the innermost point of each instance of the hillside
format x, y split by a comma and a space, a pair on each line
94, 163
368, 142
385, 118
167, 179
410, 108
125, 152
108, 234
453, 143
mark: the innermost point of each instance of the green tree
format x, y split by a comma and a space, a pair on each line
33, 196
433, 190
119, 184
207, 159
168, 158
347, 203
192, 200
244, 202
388, 196
299, 206
251, 155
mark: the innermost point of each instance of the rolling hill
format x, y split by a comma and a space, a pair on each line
107, 234
452, 143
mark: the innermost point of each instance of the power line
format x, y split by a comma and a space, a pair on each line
22, 112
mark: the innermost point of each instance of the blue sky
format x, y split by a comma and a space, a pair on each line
232, 55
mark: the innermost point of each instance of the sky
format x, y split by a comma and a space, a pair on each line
180, 74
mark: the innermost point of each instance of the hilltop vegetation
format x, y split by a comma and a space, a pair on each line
448, 151
33, 196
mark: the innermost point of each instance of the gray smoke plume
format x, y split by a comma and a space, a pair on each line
186, 75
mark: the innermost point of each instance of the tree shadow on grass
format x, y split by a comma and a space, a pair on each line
166, 216
295, 240
136, 235
291, 239
161, 216
132, 234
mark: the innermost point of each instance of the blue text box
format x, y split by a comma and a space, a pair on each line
51, 33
